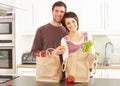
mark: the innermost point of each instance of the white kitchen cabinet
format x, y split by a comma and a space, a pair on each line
89, 12
27, 16
114, 73
107, 73
101, 73
24, 16
98, 74
112, 15
26, 71
100, 16
96, 16
91, 17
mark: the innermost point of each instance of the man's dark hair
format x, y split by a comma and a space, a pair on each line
59, 3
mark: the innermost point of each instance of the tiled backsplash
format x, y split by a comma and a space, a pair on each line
101, 40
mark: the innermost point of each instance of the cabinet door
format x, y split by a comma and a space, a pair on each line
114, 74
112, 15
105, 73
26, 16
90, 14
98, 74
26, 71
101, 73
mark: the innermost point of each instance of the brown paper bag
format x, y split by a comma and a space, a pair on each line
77, 64
49, 68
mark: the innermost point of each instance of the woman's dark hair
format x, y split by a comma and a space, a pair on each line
70, 15
59, 3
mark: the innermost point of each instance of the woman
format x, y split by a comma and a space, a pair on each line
75, 39
72, 42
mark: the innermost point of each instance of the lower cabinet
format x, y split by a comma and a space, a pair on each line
98, 74
107, 73
114, 74
26, 71
101, 73
30, 70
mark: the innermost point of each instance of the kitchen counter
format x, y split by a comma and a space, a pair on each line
26, 66
99, 67
109, 67
31, 81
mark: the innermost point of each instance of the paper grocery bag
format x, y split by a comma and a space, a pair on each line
78, 64
49, 68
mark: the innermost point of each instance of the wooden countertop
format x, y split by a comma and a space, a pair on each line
109, 67
99, 67
26, 66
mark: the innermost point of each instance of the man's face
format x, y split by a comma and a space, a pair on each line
58, 13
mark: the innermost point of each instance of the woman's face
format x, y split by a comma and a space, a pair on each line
71, 24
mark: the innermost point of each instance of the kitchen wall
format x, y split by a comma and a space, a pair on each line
23, 45
100, 41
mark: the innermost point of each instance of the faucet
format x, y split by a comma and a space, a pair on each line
105, 58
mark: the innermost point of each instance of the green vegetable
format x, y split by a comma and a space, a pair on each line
87, 46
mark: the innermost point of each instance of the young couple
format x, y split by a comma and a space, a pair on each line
62, 30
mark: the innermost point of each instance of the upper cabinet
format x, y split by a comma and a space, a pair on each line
24, 16
91, 17
112, 16
96, 16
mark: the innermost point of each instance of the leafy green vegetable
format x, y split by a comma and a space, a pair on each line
87, 46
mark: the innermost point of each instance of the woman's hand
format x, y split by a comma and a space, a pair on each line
60, 49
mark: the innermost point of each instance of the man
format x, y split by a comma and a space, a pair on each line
49, 35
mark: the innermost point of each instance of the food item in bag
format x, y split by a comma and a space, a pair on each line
62, 47
87, 46
40, 54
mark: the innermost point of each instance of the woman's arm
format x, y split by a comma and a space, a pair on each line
66, 52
